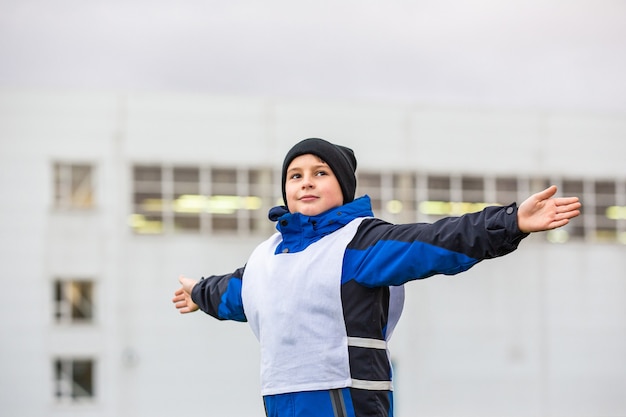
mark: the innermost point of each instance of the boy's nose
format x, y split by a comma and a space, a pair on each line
307, 183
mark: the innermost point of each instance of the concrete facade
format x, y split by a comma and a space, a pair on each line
541, 332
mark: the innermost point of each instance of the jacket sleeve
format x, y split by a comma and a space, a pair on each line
386, 254
220, 296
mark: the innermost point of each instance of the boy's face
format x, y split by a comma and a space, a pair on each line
311, 187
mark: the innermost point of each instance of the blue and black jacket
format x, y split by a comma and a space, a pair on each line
324, 294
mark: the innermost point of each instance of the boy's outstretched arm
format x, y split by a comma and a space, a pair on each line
182, 296
543, 211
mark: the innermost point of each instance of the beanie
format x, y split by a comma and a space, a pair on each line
339, 158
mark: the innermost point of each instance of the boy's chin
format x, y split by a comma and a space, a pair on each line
311, 211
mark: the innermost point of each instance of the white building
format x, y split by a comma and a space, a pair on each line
107, 198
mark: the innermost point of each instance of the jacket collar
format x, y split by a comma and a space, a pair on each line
299, 231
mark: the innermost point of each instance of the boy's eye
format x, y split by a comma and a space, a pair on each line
320, 173
295, 176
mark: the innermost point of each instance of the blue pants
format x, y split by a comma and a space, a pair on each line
344, 402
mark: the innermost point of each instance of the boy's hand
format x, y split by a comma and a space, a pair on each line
182, 296
543, 212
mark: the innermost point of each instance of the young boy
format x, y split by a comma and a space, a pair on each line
324, 294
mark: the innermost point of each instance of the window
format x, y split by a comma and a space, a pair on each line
506, 190
370, 183
73, 186
473, 190
73, 301
178, 199
200, 199
437, 197
74, 379
606, 213
403, 201
439, 188
186, 186
264, 189
148, 207
392, 194
224, 203
576, 227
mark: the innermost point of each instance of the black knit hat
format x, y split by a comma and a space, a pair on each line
339, 158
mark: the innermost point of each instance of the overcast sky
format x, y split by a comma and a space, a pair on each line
546, 54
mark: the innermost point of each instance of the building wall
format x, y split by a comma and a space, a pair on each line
539, 332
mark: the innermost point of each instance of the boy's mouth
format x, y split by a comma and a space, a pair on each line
308, 197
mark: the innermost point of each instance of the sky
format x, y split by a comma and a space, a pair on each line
537, 54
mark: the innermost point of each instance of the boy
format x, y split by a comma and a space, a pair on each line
324, 294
